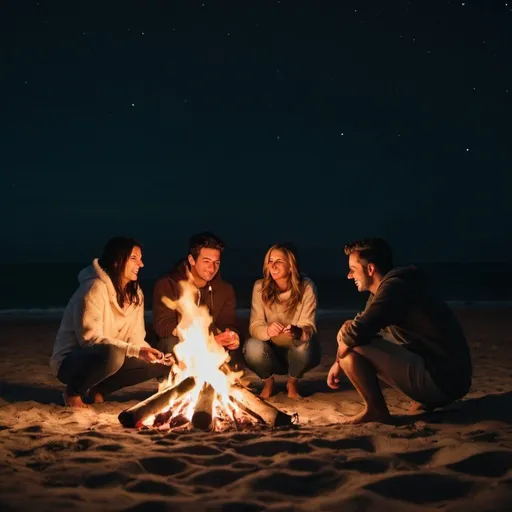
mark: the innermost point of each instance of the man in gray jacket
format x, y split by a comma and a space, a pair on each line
405, 336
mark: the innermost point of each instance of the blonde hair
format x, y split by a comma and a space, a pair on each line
270, 291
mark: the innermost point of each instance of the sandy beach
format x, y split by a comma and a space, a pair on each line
456, 459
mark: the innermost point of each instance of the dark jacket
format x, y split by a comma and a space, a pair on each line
404, 308
217, 295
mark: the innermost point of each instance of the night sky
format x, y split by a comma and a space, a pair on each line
316, 122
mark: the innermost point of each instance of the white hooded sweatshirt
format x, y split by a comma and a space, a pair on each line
93, 316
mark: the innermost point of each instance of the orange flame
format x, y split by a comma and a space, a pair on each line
198, 352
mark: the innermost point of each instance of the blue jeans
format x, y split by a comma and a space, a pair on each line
265, 358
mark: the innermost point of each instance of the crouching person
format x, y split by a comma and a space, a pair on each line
100, 345
405, 337
283, 322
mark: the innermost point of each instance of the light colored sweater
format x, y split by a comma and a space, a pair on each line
93, 316
303, 316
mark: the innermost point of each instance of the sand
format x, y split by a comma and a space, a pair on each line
54, 458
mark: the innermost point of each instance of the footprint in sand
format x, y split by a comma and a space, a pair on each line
491, 464
153, 487
364, 465
198, 449
218, 477
163, 466
271, 448
305, 464
159, 506
88, 460
418, 458
421, 488
110, 447
237, 506
220, 460
293, 484
106, 479
349, 443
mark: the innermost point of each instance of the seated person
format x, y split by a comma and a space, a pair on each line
425, 354
203, 263
100, 345
282, 323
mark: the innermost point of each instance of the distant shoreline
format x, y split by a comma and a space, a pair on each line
56, 313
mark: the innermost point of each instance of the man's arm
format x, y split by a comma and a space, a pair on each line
165, 320
388, 304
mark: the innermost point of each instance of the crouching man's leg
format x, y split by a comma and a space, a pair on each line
395, 365
363, 377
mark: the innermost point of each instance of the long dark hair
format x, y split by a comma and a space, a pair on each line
113, 261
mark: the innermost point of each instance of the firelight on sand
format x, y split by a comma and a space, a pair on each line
201, 389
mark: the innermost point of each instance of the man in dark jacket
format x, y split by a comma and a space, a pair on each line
202, 262
405, 336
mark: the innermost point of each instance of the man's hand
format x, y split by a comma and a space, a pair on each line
295, 332
228, 339
333, 377
274, 329
150, 354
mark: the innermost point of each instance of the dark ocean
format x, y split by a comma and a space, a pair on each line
49, 285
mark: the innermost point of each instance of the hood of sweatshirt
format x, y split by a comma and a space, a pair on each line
93, 272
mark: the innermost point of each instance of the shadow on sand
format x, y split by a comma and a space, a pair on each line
16, 392
496, 407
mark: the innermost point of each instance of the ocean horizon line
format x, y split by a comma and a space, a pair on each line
57, 312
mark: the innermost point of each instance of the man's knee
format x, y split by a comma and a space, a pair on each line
349, 361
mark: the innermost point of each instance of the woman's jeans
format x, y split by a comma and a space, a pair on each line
106, 369
265, 358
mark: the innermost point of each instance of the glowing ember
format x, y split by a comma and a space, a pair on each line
202, 391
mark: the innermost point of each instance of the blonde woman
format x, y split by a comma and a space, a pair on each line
282, 326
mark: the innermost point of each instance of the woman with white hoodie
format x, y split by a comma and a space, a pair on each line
100, 346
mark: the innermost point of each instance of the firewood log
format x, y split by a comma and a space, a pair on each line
134, 416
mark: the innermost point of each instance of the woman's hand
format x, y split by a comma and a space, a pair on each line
150, 354
295, 332
274, 329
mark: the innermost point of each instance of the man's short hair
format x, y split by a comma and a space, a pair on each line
204, 240
373, 250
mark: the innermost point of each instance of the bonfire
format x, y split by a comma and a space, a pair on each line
201, 392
